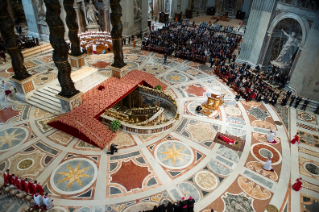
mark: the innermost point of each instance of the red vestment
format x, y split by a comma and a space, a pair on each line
35, 188
7, 178
227, 140
297, 185
296, 139
14, 181
20, 185
27, 186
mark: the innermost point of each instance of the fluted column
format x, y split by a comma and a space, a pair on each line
60, 48
11, 43
116, 33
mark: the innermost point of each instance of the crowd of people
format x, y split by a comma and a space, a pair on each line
16, 186
185, 205
93, 39
191, 42
28, 42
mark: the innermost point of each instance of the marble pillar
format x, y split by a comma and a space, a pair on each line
256, 32
30, 8
304, 72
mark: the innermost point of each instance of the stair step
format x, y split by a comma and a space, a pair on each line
52, 89
44, 105
49, 91
46, 98
45, 93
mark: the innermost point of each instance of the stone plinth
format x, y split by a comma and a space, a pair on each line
82, 76
77, 61
95, 27
23, 87
68, 104
119, 72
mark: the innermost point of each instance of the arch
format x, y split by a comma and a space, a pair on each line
304, 24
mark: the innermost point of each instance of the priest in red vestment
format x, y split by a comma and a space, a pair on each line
297, 185
36, 187
27, 186
7, 177
227, 140
20, 184
13, 180
296, 139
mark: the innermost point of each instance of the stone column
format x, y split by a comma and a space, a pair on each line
60, 48
22, 80
30, 15
255, 36
10, 10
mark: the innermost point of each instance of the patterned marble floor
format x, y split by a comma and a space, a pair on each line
152, 169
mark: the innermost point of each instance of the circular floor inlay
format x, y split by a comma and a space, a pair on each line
206, 180
306, 116
174, 154
265, 153
233, 111
12, 137
25, 164
312, 168
260, 151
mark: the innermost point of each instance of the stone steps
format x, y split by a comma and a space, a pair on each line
36, 50
45, 99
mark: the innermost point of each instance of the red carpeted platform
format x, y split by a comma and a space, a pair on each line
83, 122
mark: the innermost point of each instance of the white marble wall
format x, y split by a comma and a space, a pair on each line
29, 8
305, 74
258, 23
130, 26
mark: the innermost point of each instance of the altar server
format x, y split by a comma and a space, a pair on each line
270, 137
38, 200
267, 165
48, 202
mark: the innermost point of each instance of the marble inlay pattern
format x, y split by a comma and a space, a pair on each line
304, 116
263, 124
74, 176
309, 168
12, 137
42, 124
60, 137
258, 167
206, 180
262, 151
234, 201
13, 114
123, 140
253, 190
309, 139
174, 154
219, 168
258, 113
308, 203
263, 138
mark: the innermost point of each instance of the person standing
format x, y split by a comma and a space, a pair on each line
165, 58
4, 56
297, 185
190, 204
305, 104
292, 99
298, 100
7, 177
169, 207
267, 165
124, 41
184, 205
270, 137
177, 207
38, 200
48, 202
37, 187
296, 139
129, 40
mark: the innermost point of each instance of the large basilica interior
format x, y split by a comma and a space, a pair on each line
159, 105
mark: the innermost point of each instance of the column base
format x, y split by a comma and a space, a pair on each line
77, 61
23, 87
119, 72
68, 104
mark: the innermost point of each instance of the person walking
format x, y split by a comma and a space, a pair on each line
165, 58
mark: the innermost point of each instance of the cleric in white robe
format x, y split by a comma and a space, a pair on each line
271, 137
48, 202
267, 165
38, 199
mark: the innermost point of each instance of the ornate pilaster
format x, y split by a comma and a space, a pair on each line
116, 33
73, 27
60, 48
11, 43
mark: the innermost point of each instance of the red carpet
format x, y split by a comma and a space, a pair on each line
83, 122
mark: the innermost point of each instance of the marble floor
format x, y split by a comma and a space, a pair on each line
83, 178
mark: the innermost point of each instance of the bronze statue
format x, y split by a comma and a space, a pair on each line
116, 33
73, 27
11, 43
60, 48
